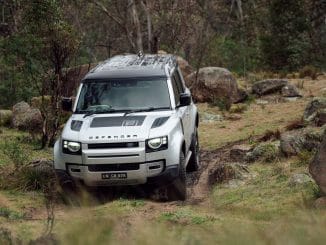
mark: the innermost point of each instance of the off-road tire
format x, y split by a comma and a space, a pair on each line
67, 187
178, 189
193, 164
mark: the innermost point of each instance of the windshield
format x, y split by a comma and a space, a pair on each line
123, 94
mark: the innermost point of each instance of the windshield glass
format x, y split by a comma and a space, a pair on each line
123, 94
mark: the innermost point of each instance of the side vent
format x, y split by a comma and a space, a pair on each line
159, 122
76, 125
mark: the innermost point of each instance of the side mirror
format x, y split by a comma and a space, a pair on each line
66, 104
185, 99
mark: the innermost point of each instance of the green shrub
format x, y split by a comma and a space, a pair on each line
10, 214
238, 108
14, 151
221, 103
304, 158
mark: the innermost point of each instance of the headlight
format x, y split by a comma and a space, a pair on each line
71, 147
157, 144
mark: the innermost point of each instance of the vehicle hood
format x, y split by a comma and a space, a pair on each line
101, 128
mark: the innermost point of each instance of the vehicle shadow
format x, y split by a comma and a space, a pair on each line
86, 196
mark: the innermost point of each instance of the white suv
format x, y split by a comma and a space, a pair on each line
133, 123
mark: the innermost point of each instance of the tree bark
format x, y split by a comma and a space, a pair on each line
136, 22
145, 5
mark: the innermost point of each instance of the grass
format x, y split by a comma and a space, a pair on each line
186, 215
254, 122
10, 214
11, 139
268, 195
264, 210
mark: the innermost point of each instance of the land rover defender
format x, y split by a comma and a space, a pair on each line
133, 122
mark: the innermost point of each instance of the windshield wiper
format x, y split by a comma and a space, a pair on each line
145, 110
99, 112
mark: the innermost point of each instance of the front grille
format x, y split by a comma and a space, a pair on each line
113, 167
113, 145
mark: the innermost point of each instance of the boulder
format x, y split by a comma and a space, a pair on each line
320, 118
268, 86
299, 180
296, 141
320, 203
208, 117
317, 104
290, 90
317, 167
26, 118
5, 117
266, 152
184, 66
215, 84
238, 152
226, 172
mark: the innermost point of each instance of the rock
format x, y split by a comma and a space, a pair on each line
233, 184
320, 203
320, 118
290, 90
323, 92
266, 152
261, 102
300, 179
5, 117
161, 51
26, 118
20, 112
317, 104
317, 167
207, 117
184, 66
290, 99
296, 141
234, 117
215, 83
238, 152
226, 172
268, 86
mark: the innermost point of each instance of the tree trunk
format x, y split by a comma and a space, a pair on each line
136, 22
149, 24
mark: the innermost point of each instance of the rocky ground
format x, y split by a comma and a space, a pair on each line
253, 186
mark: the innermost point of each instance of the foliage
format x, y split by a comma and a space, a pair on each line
14, 151
221, 103
10, 214
287, 45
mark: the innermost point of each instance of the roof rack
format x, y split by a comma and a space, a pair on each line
160, 61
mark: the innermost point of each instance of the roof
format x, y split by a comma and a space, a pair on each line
129, 66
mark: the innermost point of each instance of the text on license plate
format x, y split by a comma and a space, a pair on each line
114, 176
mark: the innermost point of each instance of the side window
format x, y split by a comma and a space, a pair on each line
179, 82
175, 90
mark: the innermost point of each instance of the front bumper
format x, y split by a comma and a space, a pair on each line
155, 172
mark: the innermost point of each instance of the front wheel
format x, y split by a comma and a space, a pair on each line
193, 164
178, 190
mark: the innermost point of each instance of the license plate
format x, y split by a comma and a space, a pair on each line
114, 176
